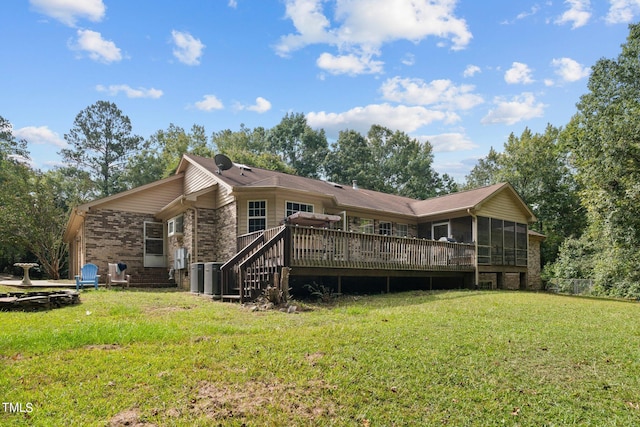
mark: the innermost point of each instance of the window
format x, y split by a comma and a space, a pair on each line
293, 207
384, 228
257, 213
366, 226
439, 230
402, 230
175, 225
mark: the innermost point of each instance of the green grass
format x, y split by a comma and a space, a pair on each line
446, 358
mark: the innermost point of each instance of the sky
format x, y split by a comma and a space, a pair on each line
461, 74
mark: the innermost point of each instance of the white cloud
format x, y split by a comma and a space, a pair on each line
622, 11
361, 27
98, 48
233, 4
518, 73
442, 94
39, 135
349, 64
209, 103
140, 92
471, 71
261, 106
578, 13
409, 59
512, 111
69, 11
188, 49
448, 142
570, 70
406, 119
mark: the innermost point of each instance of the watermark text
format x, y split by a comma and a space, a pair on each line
17, 407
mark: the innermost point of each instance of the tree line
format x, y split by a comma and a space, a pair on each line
581, 179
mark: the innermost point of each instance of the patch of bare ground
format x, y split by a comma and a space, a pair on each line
253, 399
129, 418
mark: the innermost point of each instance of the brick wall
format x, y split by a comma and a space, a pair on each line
116, 236
225, 233
216, 235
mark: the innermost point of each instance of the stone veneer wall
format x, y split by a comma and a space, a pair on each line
116, 236
225, 234
216, 236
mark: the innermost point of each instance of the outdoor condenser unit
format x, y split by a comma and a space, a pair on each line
197, 277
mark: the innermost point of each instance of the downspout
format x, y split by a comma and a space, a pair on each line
474, 234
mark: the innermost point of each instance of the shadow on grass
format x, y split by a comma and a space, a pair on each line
402, 299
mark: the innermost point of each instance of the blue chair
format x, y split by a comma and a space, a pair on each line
88, 276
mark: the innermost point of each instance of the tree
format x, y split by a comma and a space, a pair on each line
537, 167
386, 161
14, 173
101, 142
249, 147
41, 221
404, 164
351, 159
301, 147
485, 172
161, 153
604, 139
32, 208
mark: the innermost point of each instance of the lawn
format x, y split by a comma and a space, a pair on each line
458, 358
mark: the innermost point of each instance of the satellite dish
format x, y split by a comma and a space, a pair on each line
223, 162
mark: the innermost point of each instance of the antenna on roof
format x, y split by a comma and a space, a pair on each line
223, 162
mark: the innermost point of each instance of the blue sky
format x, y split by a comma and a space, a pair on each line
461, 74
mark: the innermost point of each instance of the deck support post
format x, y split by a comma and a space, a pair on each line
339, 284
388, 284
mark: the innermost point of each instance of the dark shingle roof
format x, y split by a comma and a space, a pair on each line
346, 195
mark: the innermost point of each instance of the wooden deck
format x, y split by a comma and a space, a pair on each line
262, 254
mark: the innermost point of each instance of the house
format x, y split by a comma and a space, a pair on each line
253, 222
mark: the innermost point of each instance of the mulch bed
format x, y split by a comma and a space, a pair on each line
35, 301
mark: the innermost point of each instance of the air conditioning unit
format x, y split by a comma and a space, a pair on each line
180, 261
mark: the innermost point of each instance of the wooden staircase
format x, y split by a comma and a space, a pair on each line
251, 270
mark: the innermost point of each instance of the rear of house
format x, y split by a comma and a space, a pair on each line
206, 215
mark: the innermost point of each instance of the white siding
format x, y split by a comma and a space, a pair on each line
147, 201
196, 179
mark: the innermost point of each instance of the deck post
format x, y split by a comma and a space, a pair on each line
388, 284
339, 284
287, 246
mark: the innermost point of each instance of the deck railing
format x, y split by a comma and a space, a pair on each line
315, 247
264, 253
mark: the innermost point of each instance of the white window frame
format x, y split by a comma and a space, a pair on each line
290, 211
172, 226
402, 230
439, 224
386, 223
367, 226
250, 217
